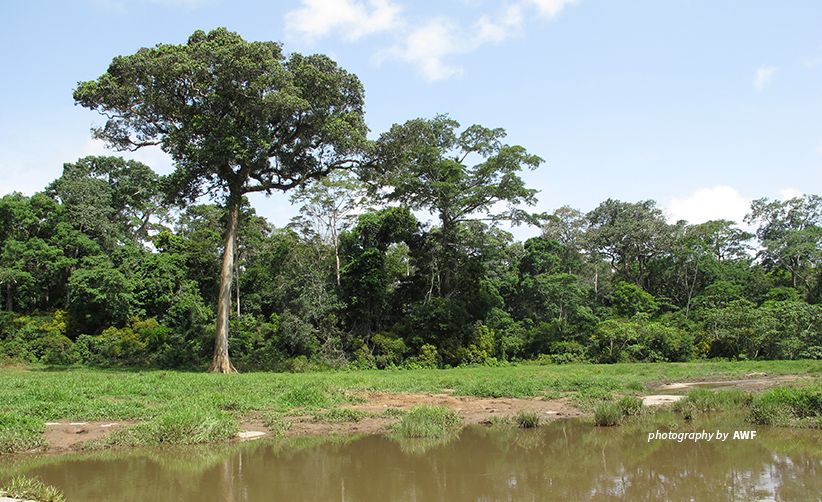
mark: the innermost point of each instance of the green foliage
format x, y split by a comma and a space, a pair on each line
784, 406
19, 432
629, 300
527, 418
185, 426
703, 401
427, 422
32, 489
631, 406
608, 414
276, 423
339, 415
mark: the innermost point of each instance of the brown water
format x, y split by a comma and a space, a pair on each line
566, 460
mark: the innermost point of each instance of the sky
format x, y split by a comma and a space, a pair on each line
700, 105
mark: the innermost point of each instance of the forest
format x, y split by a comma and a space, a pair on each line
112, 264
96, 269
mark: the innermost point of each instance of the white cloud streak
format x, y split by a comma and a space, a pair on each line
552, 8
763, 78
351, 19
428, 44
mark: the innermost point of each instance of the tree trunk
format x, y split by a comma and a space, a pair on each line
220, 363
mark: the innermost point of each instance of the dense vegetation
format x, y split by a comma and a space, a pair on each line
114, 265
96, 269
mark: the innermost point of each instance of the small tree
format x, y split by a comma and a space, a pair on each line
236, 117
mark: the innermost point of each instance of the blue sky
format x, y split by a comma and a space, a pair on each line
701, 105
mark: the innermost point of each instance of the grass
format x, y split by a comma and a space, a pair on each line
276, 423
185, 426
607, 414
790, 407
175, 406
341, 415
527, 418
427, 422
20, 432
703, 401
26, 488
612, 413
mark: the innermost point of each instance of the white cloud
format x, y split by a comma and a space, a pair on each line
424, 43
509, 24
352, 19
718, 203
790, 193
552, 7
763, 78
427, 46
818, 149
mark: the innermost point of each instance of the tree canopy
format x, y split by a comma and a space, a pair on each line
236, 117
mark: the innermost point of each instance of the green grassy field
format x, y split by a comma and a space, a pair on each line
184, 407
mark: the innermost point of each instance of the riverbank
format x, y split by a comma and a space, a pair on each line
51, 409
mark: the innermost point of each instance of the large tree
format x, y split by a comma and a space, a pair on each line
459, 176
790, 234
236, 117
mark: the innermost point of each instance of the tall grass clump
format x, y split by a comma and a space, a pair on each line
608, 414
26, 488
788, 407
611, 413
188, 426
527, 419
427, 422
631, 406
703, 401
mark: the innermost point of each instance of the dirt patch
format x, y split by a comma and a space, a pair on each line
474, 410
755, 382
64, 436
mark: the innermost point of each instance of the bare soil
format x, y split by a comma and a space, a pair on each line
64, 436
67, 436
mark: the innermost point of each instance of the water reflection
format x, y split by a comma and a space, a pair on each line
567, 460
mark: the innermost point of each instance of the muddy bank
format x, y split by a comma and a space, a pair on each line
68, 436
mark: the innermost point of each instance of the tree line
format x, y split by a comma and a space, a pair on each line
113, 264
98, 269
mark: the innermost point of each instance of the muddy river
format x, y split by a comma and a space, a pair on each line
716, 459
